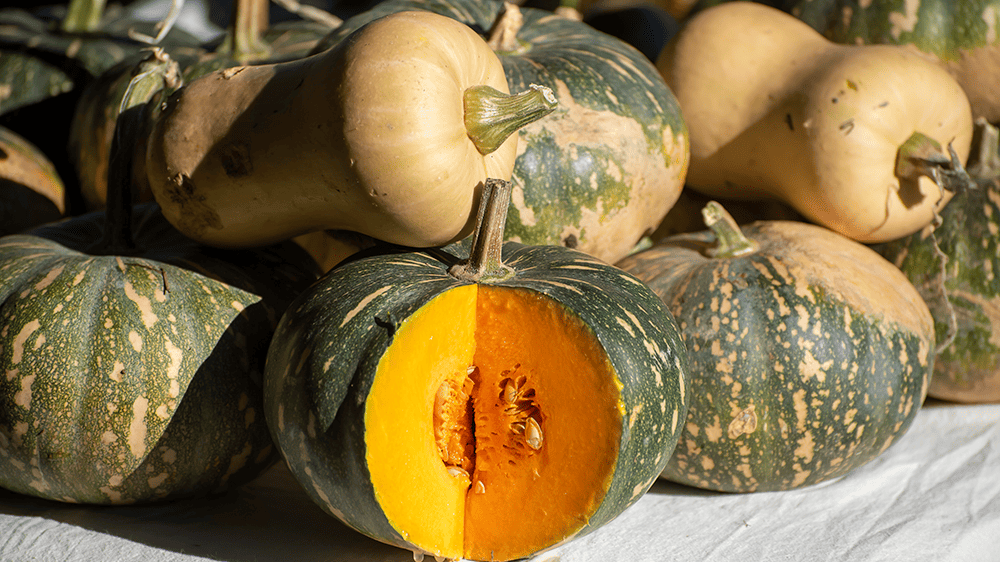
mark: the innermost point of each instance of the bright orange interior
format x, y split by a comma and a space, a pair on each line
493, 425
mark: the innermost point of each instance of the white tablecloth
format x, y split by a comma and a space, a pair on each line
933, 496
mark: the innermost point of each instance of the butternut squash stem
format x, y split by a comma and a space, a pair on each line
491, 115
485, 262
921, 155
83, 16
155, 73
730, 241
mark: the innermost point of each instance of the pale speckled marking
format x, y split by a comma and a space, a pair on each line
144, 305
137, 428
362, 304
155, 482
49, 279
116, 371
136, 340
238, 461
23, 397
176, 356
904, 21
624, 324
22, 337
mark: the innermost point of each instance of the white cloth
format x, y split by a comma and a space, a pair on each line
932, 496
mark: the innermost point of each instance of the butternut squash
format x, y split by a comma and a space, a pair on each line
866, 140
391, 134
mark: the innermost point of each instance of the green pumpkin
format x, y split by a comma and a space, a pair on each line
953, 266
479, 417
604, 168
809, 353
133, 358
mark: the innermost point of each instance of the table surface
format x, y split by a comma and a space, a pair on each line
934, 495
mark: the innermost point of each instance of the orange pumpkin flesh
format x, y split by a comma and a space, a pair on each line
493, 424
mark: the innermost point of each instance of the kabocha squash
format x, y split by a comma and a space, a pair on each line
133, 363
953, 265
848, 136
31, 191
478, 409
809, 353
601, 170
391, 135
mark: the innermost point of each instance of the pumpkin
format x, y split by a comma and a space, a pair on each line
809, 353
395, 131
960, 35
866, 141
952, 263
31, 191
601, 170
484, 409
133, 358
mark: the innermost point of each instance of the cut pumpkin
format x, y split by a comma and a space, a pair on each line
485, 409
475, 423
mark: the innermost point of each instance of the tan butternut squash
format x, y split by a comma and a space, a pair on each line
390, 134
855, 138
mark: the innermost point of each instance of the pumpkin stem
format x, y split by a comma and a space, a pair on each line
149, 78
503, 34
83, 16
491, 115
243, 41
921, 155
730, 241
485, 260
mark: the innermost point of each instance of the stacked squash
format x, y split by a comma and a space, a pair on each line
490, 348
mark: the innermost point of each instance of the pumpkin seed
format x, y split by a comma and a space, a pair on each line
458, 472
532, 433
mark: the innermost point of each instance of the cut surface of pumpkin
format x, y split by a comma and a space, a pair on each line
493, 424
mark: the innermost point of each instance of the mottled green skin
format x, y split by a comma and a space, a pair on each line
133, 379
323, 359
832, 383
603, 169
944, 28
968, 369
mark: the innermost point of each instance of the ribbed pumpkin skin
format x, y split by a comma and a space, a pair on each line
604, 168
129, 379
807, 357
968, 369
322, 362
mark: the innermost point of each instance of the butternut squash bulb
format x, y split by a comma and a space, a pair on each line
391, 135
860, 139
485, 413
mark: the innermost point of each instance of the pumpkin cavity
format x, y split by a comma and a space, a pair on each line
480, 419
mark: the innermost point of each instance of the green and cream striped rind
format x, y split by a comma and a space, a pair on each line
944, 28
791, 385
328, 344
968, 368
605, 167
128, 379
